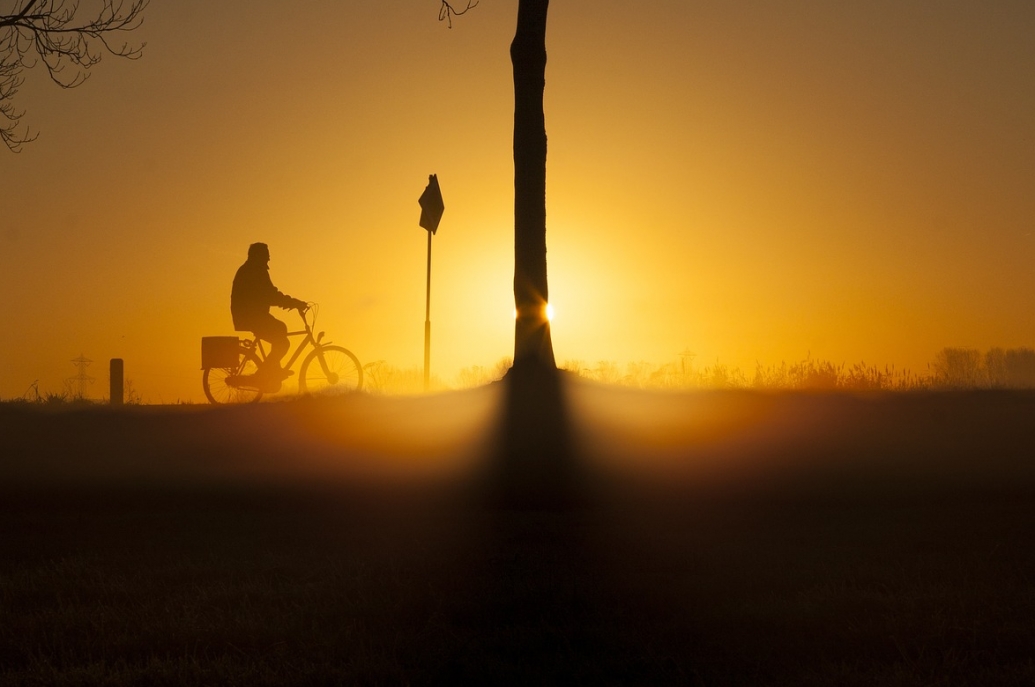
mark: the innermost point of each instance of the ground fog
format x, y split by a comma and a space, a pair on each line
717, 537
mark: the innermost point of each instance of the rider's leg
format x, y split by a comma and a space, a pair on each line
275, 332
279, 345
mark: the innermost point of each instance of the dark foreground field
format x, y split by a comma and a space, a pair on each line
716, 538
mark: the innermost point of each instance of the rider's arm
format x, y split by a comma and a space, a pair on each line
279, 299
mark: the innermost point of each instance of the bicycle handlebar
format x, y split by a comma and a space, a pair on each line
302, 312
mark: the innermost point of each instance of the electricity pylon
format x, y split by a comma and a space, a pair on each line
81, 379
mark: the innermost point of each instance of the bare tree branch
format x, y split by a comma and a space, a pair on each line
47, 31
447, 11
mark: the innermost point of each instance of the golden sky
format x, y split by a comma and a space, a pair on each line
752, 181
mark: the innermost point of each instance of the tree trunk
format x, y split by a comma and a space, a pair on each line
532, 343
535, 465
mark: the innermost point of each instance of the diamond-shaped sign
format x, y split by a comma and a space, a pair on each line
431, 205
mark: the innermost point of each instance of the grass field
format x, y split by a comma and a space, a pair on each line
720, 538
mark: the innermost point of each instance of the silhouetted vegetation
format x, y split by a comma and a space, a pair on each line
966, 368
952, 368
1013, 368
958, 368
807, 375
478, 375
382, 377
48, 32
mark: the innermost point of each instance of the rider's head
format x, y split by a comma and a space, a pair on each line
259, 252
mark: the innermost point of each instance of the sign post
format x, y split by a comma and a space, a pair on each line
431, 208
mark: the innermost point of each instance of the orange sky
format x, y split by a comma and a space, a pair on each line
750, 181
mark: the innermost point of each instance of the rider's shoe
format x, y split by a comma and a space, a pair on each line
270, 386
272, 378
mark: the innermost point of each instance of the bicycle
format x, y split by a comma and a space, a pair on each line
327, 369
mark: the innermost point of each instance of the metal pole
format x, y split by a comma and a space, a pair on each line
427, 325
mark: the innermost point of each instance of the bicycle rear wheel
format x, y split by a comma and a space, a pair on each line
330, 370
227, 385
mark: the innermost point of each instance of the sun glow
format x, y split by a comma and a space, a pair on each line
549, 312
708, 237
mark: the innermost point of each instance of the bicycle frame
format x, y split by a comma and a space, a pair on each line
316, 341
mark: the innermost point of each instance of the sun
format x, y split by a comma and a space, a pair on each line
549, 312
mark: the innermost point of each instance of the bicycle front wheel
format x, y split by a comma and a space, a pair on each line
229, 385
330, 370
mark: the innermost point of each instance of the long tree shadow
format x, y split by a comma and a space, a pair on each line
534, 463
536, 605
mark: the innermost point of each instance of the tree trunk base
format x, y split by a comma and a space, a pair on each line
534, 465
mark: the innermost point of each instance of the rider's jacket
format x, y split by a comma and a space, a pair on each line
253, 293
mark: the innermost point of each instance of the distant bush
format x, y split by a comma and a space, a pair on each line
478, 375
52, 399
815, 375
952, 368
381, 378
958, 368
1020, 368
1010, 369
967, 368
680, 374
822, 375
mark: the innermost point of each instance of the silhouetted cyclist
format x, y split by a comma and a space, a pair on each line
250, 299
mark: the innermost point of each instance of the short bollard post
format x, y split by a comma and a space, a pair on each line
115, 375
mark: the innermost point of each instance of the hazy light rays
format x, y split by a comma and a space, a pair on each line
733, 438
439, 435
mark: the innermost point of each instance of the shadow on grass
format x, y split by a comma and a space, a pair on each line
532, 463
883, 540
536, 605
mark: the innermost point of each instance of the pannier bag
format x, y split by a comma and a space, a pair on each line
219, 351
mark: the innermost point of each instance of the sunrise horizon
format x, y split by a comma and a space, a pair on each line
754, 186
